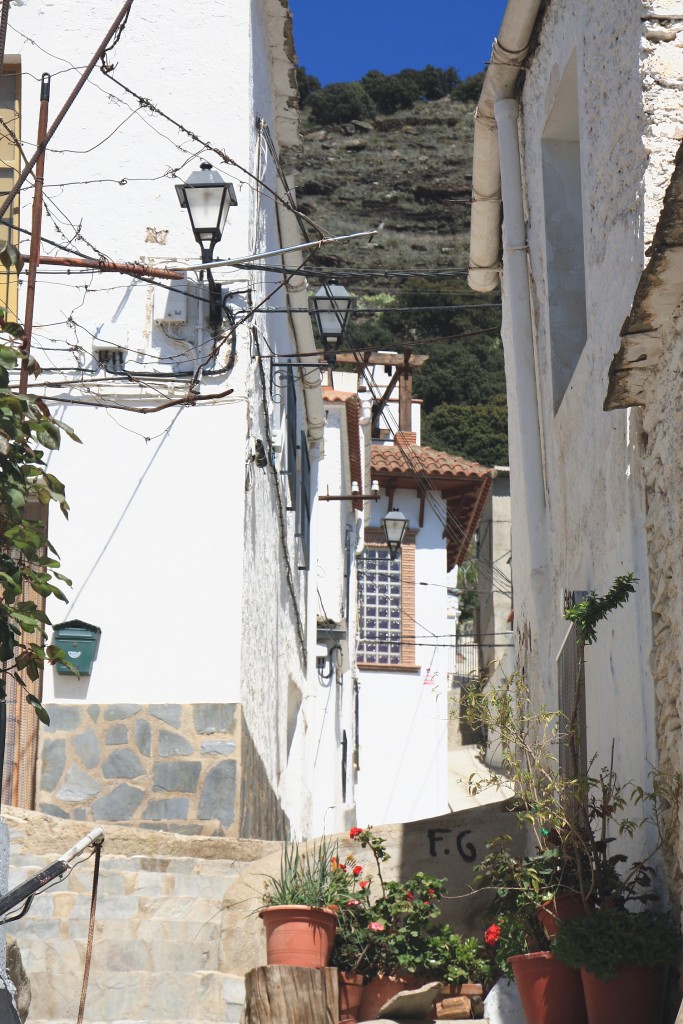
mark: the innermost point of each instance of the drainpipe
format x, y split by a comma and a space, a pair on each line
507, 61
521, 349
297, 299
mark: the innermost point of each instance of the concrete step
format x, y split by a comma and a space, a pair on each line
60, 906
114, 953
206, 996
144, 883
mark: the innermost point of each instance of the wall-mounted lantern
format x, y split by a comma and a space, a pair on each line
207, 197
395, 525
79, 641
332, 306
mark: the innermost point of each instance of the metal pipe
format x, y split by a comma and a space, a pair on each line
109, 266
101, 49
36, 224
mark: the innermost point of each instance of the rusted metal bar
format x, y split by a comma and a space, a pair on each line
101, 49
36, 225
109, 266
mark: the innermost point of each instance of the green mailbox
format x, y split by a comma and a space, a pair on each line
79, 641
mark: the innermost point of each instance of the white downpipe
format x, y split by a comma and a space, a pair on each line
507, 61
297, 299
523, 384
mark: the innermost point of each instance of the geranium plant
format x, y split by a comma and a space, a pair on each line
396, 929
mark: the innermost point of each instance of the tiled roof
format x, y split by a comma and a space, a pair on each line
409, 458
462, 484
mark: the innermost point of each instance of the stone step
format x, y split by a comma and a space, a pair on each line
58, 906
159, 931
144, 862
143, 883
113, 953
206, 996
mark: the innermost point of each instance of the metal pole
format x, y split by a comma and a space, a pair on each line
109, 266
36, 224
123, 13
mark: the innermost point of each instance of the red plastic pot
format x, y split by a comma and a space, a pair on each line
350, 995
550, 992
299, 936
564, 907
634, 996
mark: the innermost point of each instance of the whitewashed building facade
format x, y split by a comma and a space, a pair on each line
576, 152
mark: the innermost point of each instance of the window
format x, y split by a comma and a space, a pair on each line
563, 202
9, 170
303, 518
386, 594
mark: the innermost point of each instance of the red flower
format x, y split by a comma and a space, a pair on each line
354, 832
357, 870
376, 926
491, 935
426, 903
430, 892
409, 896
353, 903
363, 885
342, 867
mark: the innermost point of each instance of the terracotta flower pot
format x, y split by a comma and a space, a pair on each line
299, 936
564, 907
634, 996
379, 990
550, 992
350, 995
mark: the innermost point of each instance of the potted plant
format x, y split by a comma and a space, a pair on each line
298, 905
622, 956
574, 816
392, 939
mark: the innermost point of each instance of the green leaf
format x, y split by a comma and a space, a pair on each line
8, 357
38, 708
48, 433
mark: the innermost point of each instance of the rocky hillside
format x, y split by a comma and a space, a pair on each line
410, 172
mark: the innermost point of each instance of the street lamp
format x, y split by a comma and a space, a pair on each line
332, 306
395, 525
207, 197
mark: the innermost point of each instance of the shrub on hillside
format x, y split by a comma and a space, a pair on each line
340, 103
390, 93
306, 84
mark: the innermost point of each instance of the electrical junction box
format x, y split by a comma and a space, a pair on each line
170, 307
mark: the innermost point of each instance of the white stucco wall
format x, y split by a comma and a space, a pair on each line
595, 507
404, 716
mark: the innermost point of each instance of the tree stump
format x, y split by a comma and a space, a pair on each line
291, 995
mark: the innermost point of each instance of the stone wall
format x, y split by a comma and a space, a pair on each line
662, 423
160, 766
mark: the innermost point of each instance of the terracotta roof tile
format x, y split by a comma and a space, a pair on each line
462, 484
406, 459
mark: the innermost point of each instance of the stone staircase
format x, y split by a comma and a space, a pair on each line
158, 936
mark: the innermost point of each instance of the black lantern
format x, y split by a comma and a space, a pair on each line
395, 525
332, 306
207, 197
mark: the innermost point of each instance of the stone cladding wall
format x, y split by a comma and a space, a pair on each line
663, 467
159, 766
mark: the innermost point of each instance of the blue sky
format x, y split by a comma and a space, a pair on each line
339, 40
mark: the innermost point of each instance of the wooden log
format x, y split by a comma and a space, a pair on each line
291, 995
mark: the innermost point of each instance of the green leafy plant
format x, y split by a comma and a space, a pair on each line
611, 939
29, 570
574, 817
308, 877
397, 931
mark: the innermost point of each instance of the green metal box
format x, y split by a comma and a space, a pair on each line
79, 641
